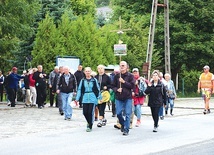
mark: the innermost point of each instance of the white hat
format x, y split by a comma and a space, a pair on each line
135, 70
206, 67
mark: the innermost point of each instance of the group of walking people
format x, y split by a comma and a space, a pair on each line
127, 92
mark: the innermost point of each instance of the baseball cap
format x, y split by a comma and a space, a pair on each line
206, 67
135, 70
14, 69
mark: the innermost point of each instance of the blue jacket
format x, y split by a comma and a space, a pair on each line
88, 96
13, 80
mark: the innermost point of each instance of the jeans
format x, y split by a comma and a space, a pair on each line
124, 111
137, 111
160, 113
171, 103
66, 101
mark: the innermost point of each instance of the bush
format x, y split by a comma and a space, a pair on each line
189, 83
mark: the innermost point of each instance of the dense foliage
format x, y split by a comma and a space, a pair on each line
37, 31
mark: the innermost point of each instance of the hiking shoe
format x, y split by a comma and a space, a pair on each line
27, 105
155, 129
104, 122
208, 111
117, 126
125, 133
137, 124
88, 130
99, 124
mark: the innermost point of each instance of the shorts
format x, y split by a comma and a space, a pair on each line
206, 93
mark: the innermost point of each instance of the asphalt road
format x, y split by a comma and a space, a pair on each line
175, 135
200, 148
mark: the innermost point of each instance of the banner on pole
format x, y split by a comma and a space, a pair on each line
120, 49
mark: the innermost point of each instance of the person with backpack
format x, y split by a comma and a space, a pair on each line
171, 94
89, 91
157, 96
138, 94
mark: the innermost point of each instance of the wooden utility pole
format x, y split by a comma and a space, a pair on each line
152, 33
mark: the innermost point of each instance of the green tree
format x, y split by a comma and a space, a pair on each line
46, 44
83, 7
191, 30
56, 9
15, 20
83, 41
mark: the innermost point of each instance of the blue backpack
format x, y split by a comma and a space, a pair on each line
142, 87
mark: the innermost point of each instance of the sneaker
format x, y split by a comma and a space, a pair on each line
104, 122
99, 124
162, 117
113, 115
125, 133
95, 119
88, 130
40, 107
137, 124
130, 127
69, 119
27, 105
205, 112
208, 111
117, 126
155, 129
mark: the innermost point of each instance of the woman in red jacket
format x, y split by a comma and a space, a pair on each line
138, 98
33, 93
